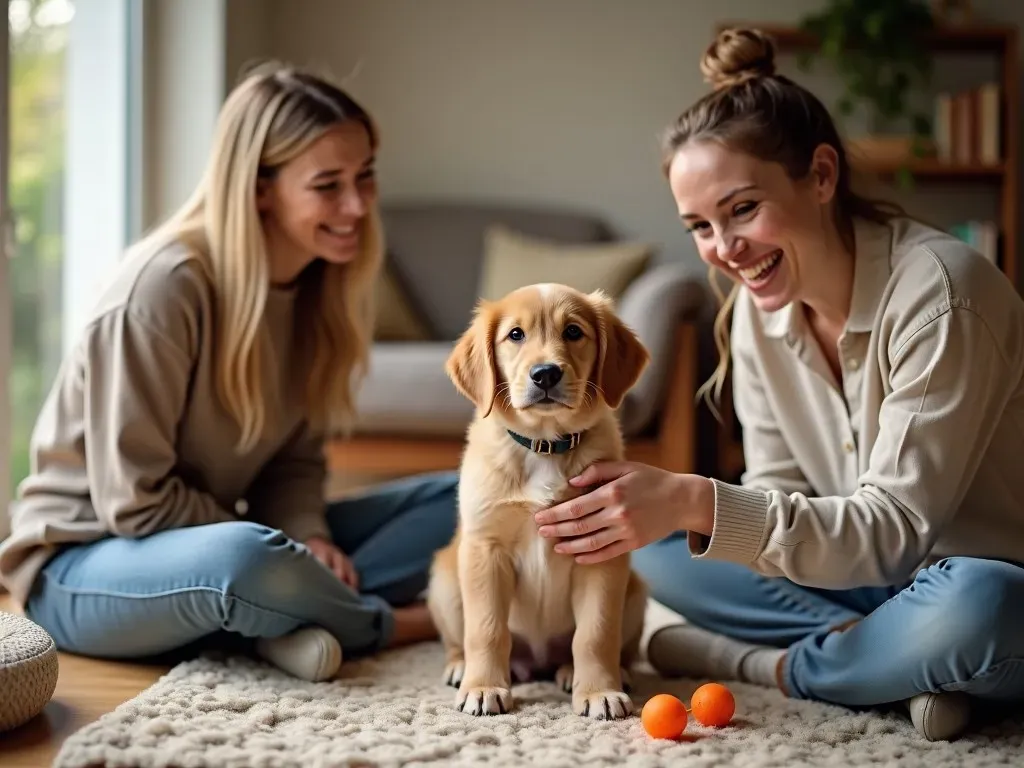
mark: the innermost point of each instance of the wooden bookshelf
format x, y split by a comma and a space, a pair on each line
1001, 42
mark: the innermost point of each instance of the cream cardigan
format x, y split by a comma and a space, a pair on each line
917, 453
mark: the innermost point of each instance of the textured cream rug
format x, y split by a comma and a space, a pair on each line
393, 710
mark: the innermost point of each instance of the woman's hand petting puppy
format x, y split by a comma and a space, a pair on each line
336, 560
633, 505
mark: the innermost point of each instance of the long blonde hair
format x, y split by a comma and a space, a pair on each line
273, 115
752, 109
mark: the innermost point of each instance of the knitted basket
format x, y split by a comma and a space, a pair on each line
28, 669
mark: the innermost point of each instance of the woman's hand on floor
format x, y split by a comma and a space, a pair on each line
633, 505
336, 560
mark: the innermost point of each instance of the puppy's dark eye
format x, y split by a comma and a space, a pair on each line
516, 334
572, 332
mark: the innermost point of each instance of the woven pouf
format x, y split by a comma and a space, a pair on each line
28, 669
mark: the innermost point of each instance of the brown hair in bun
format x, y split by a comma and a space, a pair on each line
756, 111
738, 55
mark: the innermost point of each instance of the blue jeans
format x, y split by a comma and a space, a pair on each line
130, 598
958, 626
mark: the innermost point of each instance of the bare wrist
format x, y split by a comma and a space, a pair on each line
697, 511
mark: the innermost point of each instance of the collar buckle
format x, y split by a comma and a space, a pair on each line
543, 447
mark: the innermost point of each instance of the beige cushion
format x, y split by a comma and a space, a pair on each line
512, 260
28, 670
407, 392
397, 318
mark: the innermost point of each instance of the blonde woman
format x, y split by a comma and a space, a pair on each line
874, 551
178, 472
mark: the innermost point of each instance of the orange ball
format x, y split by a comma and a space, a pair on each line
713, 704
664, 716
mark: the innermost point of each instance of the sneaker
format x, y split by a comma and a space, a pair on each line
940, 716
310, 653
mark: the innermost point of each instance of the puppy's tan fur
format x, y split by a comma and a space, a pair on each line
498, 579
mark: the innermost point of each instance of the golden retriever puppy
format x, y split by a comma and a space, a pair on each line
546, 367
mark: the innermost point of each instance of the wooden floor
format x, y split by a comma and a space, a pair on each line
86, 689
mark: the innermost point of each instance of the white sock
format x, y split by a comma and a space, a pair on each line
684, 650
760, 666
310, 653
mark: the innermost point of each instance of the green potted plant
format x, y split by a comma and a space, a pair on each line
878, 49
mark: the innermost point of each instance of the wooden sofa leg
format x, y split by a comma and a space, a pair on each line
677, 431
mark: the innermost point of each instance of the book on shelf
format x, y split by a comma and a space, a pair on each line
967, 129
982, 236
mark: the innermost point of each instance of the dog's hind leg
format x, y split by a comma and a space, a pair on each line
444, 600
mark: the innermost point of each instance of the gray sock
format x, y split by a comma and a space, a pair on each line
684, 650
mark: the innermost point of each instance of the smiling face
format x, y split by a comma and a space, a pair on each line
547, 358
750, 220
316, 203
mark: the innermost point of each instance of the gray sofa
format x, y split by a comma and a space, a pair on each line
412, 418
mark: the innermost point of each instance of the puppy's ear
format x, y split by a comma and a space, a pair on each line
471, 365
621, 358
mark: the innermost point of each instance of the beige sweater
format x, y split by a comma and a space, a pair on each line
913, 454
132, 438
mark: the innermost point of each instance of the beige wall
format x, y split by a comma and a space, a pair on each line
543, 101
531, 101
249, 37
523, 100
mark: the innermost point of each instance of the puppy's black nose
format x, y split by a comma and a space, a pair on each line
546, 375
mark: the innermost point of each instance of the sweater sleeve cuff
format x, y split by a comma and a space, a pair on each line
740, 518
307, 525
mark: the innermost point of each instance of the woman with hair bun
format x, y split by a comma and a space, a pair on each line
873, 551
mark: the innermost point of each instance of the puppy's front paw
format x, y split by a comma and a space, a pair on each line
484, 701
453, 673
563, 677
602, 705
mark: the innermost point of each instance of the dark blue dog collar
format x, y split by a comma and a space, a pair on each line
558, 445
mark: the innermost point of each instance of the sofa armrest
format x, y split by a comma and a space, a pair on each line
653, 306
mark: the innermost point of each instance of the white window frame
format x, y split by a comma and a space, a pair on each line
102, 195
104, 190
6, 237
